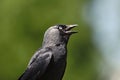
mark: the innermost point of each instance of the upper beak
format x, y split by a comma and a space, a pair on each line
69, 27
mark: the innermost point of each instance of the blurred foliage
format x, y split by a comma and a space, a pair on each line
22, 25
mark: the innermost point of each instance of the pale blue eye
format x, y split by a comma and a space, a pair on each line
61, 27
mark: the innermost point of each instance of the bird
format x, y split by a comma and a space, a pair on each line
49, 61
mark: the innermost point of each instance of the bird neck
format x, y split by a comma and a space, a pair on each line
55, 40
54, 44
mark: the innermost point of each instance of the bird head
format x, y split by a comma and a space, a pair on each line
58, 34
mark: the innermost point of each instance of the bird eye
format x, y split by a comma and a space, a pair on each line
61, 27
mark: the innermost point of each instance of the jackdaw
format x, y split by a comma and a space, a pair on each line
49, 62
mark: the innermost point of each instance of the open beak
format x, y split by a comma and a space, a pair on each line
69, 27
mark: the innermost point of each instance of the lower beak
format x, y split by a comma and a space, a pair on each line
69, 27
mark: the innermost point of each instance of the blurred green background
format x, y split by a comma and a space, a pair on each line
22, 26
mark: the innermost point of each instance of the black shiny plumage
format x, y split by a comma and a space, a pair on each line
49, 62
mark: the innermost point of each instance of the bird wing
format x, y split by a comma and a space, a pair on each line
37, 66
